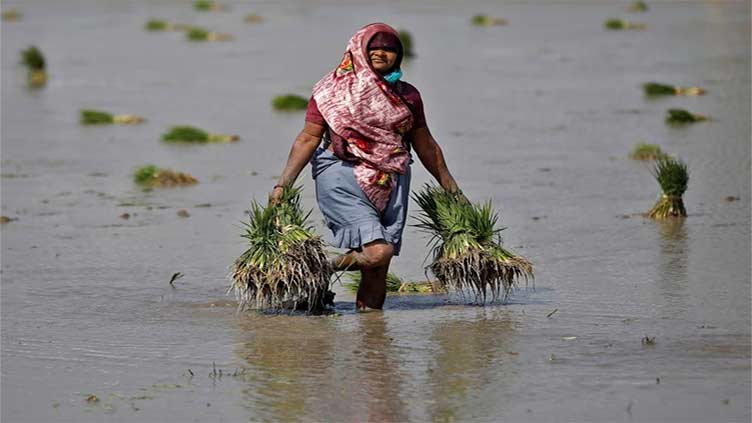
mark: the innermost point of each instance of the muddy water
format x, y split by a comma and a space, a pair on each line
537, 116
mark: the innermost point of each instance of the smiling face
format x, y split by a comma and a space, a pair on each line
382, 59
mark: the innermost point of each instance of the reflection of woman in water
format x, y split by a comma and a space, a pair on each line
369, 120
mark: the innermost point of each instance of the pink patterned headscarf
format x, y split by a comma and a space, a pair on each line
360, 107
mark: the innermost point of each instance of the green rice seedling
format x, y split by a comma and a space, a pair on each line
207, 6
672, 175
407, 43
653, 89
466, 245
189, 134
644, 151
484, 20
620, 24
393, 282
289, 102
34, 61
638, 6
285, 261
11, 15
200, 34
153, 176
96, 117
682, 117
156, 25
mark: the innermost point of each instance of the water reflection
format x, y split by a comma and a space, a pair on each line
314, 368
379, 386
672, 263
289, 358
473, 355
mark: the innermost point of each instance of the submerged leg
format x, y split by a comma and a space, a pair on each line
373, 263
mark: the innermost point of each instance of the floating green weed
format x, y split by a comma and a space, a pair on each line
289, 102
406, 39
621, 24
152, 176
484, 20
653, 89
156, 25
190, 134
682, 117
638, 6
644, 151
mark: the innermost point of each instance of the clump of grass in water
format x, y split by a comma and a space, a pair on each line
672, 175
407, 43
682, 117
206, 5
466, 245
393, 282
153, 176
484, 20
645, 151
196, 33
96, 117
285, 261
654, 89
638, 6
620, 24
189, 134
34, 61
289, 102
156, 25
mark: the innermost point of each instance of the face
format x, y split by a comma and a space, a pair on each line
382, 59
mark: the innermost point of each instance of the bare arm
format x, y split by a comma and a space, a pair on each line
431, 156
300, 154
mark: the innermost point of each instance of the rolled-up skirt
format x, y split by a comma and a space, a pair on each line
352, 218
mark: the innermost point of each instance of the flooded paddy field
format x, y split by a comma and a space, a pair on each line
538, 116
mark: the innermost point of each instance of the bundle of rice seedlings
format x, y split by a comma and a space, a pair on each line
285, 261
34, 61
672, 175
189, 134
407, 43
156, 25
289, 102
653, 89
638, 6
196, 33
467, 249
682, 117
253, 18
619, 24
644, 151
484, 20
207, 6
152, 176
96, 117
11, 15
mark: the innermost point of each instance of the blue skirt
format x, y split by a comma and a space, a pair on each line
353, 219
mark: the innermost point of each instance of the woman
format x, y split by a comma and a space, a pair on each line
369, 120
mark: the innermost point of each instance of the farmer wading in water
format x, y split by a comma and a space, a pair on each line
369, 120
